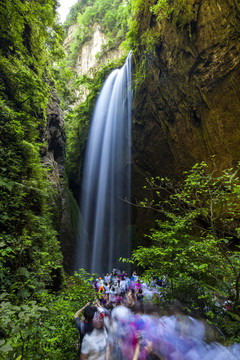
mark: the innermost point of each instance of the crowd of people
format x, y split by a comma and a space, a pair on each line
122, 324
118, 288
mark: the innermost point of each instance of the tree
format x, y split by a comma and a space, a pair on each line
30, 252
197, 235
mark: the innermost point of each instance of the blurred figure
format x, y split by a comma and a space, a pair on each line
85, 326
176, 337
123, 285
118, 329
123, 274
118, 287
133, 280
107, 278
140, 295
94, 345
112, 295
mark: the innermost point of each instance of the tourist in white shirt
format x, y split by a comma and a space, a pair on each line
94, 345
107, 278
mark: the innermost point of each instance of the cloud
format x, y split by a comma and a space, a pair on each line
65, 6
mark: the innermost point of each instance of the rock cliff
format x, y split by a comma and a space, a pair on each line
188, 107
90, 56
53, 157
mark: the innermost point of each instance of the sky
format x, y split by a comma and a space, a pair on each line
64, 8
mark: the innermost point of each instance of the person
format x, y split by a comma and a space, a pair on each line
140, 295
96, 285
107, 288
107, 278
128, 281
123, 285
130, 299
85, 326
112, 295
114, 277
227, 304
117, 328
118, 287
94, 345
134, 276
123, 274
134, 279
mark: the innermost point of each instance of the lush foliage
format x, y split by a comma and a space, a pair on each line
110, 16
196, 239
30, 40
146, 25
64, 78
44, 329
180, 12
30, 257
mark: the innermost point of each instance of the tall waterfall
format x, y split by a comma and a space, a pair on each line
104, 233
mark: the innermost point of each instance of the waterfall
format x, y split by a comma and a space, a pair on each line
104, 234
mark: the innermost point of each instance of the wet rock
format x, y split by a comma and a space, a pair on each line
188, 107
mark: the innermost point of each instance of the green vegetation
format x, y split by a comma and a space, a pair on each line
196, 242
30, 255
44, 329
64, 78
37, 301
146, 24
35, 323
179, 12
110, 16
30, 251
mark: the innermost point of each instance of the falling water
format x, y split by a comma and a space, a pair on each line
104, 234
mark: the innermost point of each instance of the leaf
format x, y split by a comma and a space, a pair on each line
6, 348
52, 340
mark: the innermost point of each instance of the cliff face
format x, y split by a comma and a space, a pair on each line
88, 60
53, 157
90, 56
188, 107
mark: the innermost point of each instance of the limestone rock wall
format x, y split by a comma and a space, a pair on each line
88, 60
188, 107
90, 56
